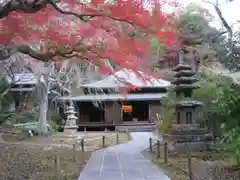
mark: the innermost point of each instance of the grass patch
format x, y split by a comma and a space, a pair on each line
205, 165
22, 162
222, 166
33, 158
176, 168
9, 133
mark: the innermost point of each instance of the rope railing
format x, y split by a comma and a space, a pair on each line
87, 140
102, 140
81, 142
166, 155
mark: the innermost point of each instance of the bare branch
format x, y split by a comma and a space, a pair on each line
7, 52
87, 16
32, 6
218, 35
223, 20
46, 55
27, 6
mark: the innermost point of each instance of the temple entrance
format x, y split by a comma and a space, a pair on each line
91, 113
127, 112
135, 111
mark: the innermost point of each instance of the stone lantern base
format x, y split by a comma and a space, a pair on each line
185, 137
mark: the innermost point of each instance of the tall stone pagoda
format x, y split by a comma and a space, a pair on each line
186, 130
183, 82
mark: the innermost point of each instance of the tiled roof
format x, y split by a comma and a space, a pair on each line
114, 97
123, 77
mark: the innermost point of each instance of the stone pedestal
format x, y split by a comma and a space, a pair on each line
71, 122
189, 136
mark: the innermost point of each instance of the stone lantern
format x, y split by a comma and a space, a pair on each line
71, 117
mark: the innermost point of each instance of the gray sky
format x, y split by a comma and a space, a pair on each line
231, 11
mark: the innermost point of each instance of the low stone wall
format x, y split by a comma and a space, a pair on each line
32, 125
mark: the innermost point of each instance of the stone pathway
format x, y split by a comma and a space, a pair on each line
123, 162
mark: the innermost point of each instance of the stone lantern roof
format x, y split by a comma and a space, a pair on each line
185, 87
184, 73
184, 80
182, 67
192, 103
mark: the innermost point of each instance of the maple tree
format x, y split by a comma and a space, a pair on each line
118, 31
98, 30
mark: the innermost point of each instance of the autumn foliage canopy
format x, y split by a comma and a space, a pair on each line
119, 31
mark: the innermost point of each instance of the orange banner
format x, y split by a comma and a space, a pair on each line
127, 108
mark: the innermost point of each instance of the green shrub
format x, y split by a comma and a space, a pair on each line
221, 111
167, 117
53, 120
166, 120
19, 117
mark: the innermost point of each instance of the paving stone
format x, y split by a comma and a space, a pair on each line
132, 174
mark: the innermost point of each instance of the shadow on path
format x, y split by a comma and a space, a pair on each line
123, 162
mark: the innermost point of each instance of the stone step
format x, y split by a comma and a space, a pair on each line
192, 146
71, 127
187, 131
136, 128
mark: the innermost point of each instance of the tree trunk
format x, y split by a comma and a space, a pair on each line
43, 105
43, 113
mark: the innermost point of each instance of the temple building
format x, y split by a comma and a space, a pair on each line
23, 84
103, 102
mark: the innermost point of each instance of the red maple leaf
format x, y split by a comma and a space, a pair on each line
119, 31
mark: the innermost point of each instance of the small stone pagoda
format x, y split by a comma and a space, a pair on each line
186, 130
71, 117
